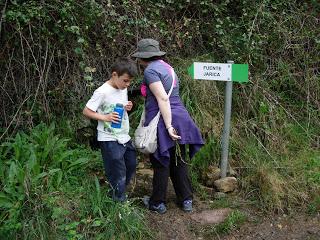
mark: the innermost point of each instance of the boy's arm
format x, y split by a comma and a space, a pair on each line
110, 117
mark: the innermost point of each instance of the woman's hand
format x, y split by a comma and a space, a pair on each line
129, 106
173, 133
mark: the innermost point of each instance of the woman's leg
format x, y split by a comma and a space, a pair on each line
179, 174
159, 182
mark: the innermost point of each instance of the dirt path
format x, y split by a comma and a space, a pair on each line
177, 225
300, 227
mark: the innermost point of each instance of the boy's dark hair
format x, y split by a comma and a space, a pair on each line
125, 65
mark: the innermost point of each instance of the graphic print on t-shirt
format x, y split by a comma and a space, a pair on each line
108, 108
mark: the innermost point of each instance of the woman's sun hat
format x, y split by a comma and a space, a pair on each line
148, 48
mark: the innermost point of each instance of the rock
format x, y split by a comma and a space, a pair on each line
227, 184
210, 175
211, 216
208, 190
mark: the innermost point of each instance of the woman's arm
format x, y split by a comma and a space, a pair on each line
164, 105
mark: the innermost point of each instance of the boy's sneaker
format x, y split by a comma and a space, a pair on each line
159, 208
187, 205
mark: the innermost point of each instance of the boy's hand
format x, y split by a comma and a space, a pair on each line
129, 106
112, 117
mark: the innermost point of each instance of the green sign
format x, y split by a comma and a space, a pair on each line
219, 71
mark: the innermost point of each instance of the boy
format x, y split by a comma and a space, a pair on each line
118, 153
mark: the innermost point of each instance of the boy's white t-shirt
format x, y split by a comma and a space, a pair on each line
103, 101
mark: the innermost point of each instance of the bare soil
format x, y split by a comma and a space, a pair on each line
178, 225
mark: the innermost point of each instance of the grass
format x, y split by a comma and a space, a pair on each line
273, 141
51, 191
48, 185
233, 221
279, 178
314, 205
284, 177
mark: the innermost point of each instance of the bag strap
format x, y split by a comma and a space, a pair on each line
142, 119
171, 70
173, 80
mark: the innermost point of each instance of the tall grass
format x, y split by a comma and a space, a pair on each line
274, 141
50, 191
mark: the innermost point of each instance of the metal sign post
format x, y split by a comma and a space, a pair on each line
230, 73
226, 128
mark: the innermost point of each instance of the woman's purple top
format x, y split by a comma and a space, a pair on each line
181, 120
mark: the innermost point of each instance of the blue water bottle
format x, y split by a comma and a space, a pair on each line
119, 109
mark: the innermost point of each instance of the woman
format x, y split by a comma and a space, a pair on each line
175, 126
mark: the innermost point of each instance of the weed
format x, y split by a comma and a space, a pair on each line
47, 192
314, 206
279, 169
233, 221
209, 154
312, 168
221, 203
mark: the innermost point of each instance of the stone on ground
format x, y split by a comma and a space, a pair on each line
227, 184
211, 216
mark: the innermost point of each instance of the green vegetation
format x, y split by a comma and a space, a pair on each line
314, 206
51, 191
233, 221
55, 53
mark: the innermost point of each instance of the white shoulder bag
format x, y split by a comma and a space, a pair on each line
145, 138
